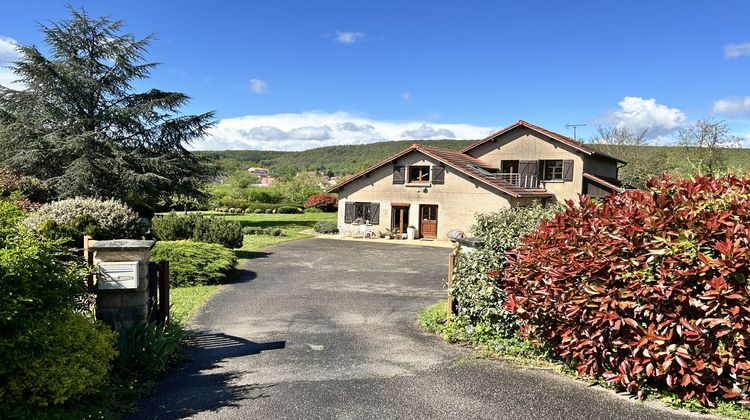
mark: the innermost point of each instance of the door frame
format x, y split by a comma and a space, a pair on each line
404, 207
437, 211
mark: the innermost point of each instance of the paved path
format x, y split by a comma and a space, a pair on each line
325, 329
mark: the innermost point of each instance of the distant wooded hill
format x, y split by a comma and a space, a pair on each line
344, 160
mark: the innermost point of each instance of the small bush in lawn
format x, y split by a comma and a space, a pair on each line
474, 289
173, 227
195, 263
252, 230
269, 211
215, 230
288, 210
326, 227
103, 219
647, 289
313, 210
324, 202
258, 211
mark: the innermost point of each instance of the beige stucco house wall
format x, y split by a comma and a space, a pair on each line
471, 183
458, 199
526, 144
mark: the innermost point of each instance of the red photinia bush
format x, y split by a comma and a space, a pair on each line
325, 202
647, 289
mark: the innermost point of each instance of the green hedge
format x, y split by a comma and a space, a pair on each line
199, 228
51, 353
195, 263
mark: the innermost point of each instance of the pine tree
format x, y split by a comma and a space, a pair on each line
80, 126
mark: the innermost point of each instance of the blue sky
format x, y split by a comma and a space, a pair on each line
299, 74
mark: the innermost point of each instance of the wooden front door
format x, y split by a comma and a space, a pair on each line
428, 217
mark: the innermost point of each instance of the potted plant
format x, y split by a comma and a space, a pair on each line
411, 233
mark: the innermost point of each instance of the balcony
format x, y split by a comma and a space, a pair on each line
527, 182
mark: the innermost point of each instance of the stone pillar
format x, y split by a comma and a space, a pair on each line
121, 280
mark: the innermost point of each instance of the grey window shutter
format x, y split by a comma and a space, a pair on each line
375, 213
438, 174
528, 167
349, 212
567, 170
399, 173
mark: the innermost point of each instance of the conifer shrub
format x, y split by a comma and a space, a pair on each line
647, 289
195, 263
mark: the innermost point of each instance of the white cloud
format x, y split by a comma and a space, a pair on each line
406, 96
426, 132
348, 37
645, 114
732, 105
258, 86
8, 54
305, 130
737, 50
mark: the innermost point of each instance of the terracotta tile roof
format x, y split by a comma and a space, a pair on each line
468, 165
458, 161
551, 134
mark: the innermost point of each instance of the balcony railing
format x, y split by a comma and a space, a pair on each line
521, 181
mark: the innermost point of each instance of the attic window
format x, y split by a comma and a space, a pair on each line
419, 174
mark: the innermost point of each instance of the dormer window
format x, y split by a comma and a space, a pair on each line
419, 174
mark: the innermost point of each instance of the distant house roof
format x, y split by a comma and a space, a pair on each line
459, 161
551, 134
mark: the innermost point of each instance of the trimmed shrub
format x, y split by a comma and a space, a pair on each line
288, 210
214, 230
269, 211
195, 263
475, 287
217, 230
75, 217
647, 289
258, 211
252, 230
326, 227
324, 202
173, 227
255, 230
313, 210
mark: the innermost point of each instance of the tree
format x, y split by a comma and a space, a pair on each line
80, 126
705, 143
631, 146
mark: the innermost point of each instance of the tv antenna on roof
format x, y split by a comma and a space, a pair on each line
575, 129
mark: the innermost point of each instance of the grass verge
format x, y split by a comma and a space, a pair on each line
436, 319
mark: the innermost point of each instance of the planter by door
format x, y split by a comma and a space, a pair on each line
428, 217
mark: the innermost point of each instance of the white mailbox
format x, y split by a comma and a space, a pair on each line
118, 275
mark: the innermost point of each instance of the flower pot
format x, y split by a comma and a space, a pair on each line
411, 233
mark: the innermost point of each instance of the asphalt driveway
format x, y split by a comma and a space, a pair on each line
322, 328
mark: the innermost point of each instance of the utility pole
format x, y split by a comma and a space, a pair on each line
575, 129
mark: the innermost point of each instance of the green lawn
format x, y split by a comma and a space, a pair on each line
186, 301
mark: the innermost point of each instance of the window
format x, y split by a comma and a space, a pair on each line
362, 211
419, 174
509, 166
553, 170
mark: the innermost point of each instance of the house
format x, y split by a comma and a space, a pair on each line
437, 190
264, 177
